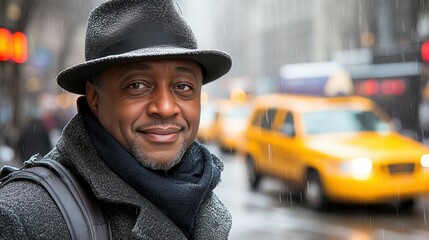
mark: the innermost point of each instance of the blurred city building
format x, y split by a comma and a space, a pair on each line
261, 36
379, 42
54, 33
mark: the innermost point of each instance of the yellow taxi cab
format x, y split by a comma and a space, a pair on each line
334, 149
230, 124
206, 132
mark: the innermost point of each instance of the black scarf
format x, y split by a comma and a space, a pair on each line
179, 192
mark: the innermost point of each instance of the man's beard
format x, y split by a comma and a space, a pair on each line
150, 163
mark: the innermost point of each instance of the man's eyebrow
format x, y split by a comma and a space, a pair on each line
187, 70
144, 66
136, 66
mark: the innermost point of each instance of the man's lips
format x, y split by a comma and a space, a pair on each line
162, 134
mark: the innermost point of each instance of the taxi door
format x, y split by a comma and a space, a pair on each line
259, 139
286, 147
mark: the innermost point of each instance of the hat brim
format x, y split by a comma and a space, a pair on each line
214, 63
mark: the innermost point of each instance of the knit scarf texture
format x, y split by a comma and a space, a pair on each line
178, 192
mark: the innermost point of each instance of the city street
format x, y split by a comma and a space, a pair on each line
272, 214
330, 95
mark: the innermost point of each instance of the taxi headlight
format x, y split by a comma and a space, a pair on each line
424, 160
358, 167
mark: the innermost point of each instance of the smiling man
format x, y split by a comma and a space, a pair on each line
152, 108
132, 143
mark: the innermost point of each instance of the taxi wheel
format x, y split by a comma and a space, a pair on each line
225, 149
253, 176
406, 206
314, 193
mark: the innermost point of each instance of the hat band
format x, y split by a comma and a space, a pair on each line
146, 40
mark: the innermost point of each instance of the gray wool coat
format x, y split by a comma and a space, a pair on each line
28, 212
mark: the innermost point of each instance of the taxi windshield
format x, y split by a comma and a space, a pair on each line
336, 121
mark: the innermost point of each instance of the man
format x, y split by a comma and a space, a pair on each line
132, 141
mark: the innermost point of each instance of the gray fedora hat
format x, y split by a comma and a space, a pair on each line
121, 31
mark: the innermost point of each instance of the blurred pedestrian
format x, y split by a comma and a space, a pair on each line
37, 135
34, 139
132, 142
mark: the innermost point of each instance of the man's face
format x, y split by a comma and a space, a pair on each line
152, 108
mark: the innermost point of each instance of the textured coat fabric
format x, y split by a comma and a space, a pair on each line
27, 211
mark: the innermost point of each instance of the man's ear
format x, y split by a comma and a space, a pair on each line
92, 98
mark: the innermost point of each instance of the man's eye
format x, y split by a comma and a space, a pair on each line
136, 86
183, 87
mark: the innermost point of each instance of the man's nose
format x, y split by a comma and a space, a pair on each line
163, 103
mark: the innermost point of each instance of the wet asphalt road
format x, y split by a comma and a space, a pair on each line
272, 214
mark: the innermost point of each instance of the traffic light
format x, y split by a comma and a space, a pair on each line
424, 51
19, 47
4, 44
13, 46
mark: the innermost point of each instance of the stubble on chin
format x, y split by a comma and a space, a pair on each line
149, 162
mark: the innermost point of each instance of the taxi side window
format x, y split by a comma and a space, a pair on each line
288, 127
265, 118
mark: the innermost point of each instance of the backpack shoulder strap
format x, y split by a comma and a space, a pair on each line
81, 213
